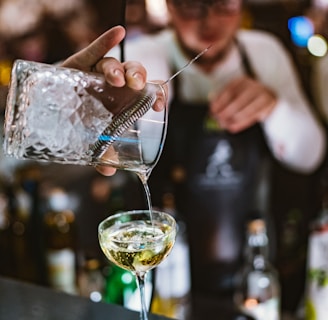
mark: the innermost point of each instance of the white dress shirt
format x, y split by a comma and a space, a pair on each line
293, 133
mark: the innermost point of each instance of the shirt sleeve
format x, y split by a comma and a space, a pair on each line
293, 132
319, 82
295, 137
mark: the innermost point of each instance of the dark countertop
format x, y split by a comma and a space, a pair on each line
23, 301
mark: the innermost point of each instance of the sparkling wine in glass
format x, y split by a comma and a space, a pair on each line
138, 241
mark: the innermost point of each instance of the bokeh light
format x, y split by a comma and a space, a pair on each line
157, 10
317, 46
301, 29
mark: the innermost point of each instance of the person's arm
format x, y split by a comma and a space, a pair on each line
274, 99
294, 133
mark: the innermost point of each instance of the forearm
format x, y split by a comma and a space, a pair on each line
295, 137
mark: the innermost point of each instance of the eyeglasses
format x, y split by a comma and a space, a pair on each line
189, 9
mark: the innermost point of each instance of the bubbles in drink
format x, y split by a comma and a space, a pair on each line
137, 246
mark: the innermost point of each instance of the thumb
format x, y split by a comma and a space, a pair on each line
89, 56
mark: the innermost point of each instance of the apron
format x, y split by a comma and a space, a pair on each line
214, 176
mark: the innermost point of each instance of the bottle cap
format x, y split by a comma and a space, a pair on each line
256, 226
58, 200
92, 264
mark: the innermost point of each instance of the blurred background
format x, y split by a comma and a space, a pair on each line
49, 31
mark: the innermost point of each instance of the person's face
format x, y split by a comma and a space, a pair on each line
201, 23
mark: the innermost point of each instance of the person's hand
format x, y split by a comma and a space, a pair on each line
118, 74
241, 104
130, 73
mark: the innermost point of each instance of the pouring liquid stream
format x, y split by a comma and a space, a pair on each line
145, 173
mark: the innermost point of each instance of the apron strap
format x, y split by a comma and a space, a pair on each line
245, 59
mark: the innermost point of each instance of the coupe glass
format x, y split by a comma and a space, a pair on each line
138, 241
64, 115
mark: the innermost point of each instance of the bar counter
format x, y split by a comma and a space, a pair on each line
24, 301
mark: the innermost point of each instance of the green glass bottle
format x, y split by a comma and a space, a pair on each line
120, 285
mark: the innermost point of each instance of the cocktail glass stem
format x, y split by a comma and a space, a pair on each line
140, 277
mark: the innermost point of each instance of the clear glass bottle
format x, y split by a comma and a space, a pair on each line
60, 240
91, 280
239, 315
120, 285
316, 293
22, 232
6, 252
258, 289
172, 276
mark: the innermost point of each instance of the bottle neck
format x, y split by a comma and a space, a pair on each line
257, 250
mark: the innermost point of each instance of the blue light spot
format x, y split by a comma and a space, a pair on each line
301, 29
105, 138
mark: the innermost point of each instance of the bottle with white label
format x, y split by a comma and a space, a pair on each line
172, 276
258, 289
316, 297
60, 242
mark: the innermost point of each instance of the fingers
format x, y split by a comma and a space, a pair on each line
160, 103
117, 74
161, 99
89, 56
230, 93
106, 171
113, 71
135, 75
242, 103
